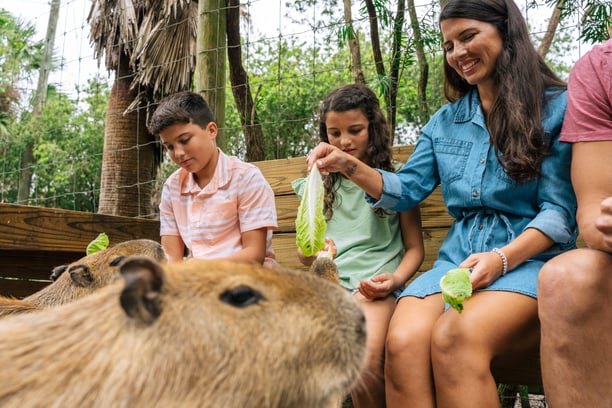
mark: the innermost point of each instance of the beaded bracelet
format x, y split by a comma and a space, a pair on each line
503, 259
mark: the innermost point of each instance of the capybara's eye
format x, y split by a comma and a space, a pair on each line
116, 261
241, 296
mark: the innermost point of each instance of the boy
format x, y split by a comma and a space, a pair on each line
215, 205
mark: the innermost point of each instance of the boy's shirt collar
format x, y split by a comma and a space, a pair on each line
221, 177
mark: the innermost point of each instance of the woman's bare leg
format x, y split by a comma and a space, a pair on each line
493, 323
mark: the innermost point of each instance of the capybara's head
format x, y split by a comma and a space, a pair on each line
92, 272
199, 333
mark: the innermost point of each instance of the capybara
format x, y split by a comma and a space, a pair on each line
82, 277
194, 334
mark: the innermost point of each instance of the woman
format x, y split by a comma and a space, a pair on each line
505, 179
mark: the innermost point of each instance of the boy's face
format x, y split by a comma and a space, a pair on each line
191, 147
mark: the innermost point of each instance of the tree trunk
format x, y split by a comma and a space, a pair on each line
553, 23
421, 61
210, 60
241, 88
353, 41
396, 62
27, 158
129, 157
375, 39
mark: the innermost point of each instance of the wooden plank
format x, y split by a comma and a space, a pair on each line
50, 229
20, 288
34, 264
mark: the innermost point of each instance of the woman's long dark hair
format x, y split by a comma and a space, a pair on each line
522, 77
378, 152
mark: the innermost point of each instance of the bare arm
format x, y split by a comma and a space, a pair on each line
330, 159
253, 247
592, 181
174, 247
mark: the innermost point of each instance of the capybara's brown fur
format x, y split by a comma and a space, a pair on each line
326, 268
82, 277
193, 334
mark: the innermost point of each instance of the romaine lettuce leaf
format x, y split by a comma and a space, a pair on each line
310, 224
98, 244
456, 287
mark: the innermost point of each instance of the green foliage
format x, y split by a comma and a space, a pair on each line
68, 154
20, 56
595, 15
287, 97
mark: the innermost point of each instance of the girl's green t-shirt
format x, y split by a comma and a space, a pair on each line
367, 244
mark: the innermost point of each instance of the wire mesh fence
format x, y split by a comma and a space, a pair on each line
111, 65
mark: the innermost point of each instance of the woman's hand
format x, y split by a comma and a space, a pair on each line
330, 159
379, 286
486, 268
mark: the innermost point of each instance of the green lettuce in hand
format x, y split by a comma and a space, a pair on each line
310, 224
98, 244
456, 287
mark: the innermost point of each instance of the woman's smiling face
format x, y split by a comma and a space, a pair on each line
471, 48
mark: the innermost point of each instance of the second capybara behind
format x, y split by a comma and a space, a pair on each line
82, 277
194, 334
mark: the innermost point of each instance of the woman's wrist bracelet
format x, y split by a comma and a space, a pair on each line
503, 259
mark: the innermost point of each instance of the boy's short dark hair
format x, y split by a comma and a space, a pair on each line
181, 107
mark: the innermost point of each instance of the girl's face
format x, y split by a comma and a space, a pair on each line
348, 131
471, 48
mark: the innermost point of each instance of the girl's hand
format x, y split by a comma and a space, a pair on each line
329, 159
379, 286
330, 246
486, 268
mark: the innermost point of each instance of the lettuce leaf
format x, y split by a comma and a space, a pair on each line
310, 224
98, 244
456, 287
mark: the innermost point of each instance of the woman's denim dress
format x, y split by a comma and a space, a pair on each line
489, 208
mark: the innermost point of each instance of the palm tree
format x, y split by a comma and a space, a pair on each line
150, 47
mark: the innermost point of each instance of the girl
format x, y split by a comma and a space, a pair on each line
505, 178
377, 250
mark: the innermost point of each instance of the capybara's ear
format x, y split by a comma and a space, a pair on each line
144, 280
57, 272
81, 275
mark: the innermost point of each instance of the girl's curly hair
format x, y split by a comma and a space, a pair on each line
378, 153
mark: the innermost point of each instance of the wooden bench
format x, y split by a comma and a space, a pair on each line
35, 239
